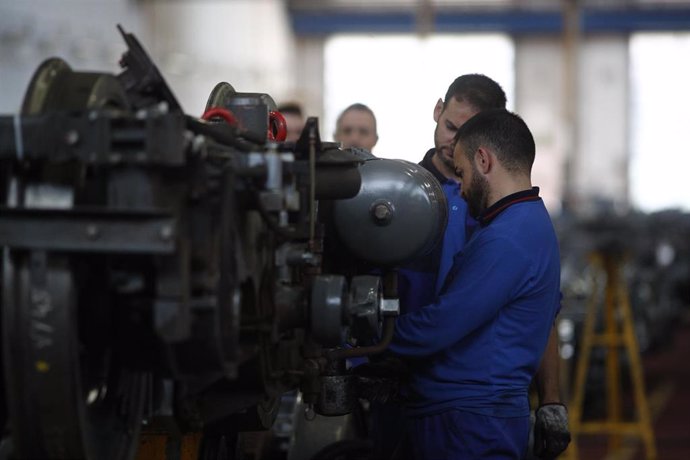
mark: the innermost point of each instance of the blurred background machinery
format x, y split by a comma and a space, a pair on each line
656, 269
625, 282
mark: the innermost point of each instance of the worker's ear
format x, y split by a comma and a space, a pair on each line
484, 160
438, 109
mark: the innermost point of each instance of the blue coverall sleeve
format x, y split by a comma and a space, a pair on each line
485, 279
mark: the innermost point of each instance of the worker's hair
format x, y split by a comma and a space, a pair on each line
478, 90
502, 132
291, 107
356, 106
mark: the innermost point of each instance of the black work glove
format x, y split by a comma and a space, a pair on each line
379, 381
551, 435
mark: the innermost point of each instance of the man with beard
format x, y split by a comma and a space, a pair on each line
420, 282
475, 349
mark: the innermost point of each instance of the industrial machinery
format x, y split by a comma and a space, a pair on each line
178, 274
651, 253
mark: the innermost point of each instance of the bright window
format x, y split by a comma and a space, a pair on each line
401, 77
660, 97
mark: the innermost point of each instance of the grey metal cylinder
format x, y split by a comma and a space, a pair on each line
337, 396
399, 213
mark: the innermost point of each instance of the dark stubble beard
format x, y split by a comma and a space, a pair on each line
477, 194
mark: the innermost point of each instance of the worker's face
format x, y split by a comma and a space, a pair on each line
448, 121
295, 123
357, 128
475, 187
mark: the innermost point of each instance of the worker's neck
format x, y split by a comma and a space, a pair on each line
508, 186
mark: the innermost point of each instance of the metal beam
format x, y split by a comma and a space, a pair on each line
517, 22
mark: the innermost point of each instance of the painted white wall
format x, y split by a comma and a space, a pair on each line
600, 166
247, 43
195, 44
539, 97
598, 143
82, 32
308, 85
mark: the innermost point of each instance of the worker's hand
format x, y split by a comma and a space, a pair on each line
380, 380
551, 434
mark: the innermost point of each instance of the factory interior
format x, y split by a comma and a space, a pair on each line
171, 286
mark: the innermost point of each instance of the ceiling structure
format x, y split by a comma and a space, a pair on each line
371, 5
324, 17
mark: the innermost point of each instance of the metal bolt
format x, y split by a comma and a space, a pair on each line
390, 307
381, 212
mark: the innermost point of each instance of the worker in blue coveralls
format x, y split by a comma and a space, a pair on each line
476, 348
419, 282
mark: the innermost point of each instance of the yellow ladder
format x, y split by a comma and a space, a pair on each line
617, 332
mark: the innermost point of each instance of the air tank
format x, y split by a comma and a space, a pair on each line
399, 213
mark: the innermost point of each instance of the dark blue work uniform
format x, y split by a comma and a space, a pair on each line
420, 281
476, 348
